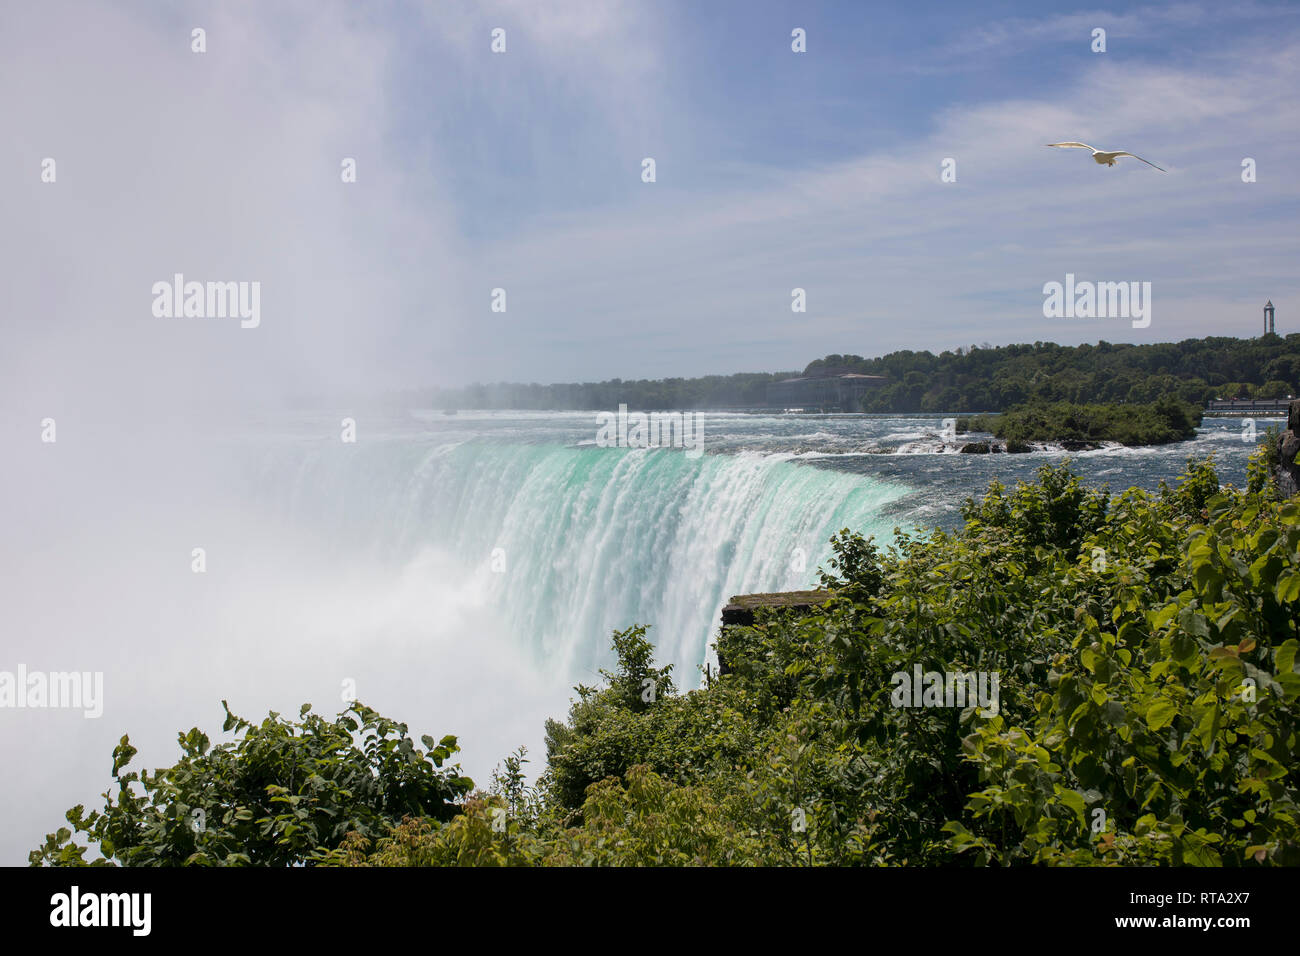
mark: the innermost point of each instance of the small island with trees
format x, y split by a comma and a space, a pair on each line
1077, 427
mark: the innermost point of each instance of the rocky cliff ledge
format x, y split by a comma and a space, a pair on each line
742, 608
1287, 474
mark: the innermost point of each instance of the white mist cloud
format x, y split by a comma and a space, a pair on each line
222, 166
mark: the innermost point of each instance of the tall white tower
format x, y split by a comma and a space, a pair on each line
1269, 325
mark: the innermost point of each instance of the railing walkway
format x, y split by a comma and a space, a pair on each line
1249, 406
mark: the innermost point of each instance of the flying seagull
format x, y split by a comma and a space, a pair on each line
1104, 158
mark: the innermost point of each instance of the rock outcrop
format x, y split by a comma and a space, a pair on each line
1287, 475
740, 611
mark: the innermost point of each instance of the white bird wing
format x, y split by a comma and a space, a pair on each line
1073, 145
1139, 158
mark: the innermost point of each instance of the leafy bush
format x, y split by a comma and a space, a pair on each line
284, 792
1145, 646
1167, 731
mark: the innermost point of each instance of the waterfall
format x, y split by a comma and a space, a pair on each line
566, 544
460, 575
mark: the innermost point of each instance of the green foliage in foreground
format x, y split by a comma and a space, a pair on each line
1166, 420
283, 792
1145, 646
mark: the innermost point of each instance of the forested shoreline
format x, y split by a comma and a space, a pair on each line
975, 379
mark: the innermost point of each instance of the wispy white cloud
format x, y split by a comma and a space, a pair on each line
1018, 34
918, 263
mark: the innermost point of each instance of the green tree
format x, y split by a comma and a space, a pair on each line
282, 793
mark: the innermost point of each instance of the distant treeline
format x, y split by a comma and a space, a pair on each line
986, 378
745, 389
998, 379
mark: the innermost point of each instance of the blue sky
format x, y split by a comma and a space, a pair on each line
521, 170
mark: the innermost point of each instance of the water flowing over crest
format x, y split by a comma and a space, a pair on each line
566, 544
